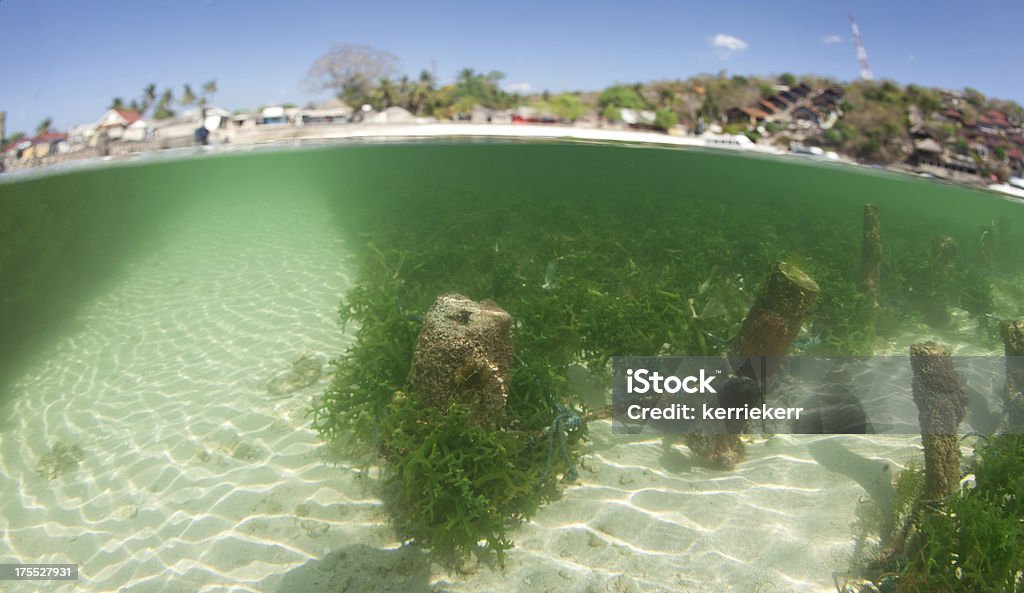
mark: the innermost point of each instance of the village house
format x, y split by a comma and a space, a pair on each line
993, 122
808, 114
334, 111
115, 121
930, 157
798, 105
37, 147
750, 115
139, 131
276, 115
637, 118
767, 106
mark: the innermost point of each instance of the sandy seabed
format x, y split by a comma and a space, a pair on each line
194, 478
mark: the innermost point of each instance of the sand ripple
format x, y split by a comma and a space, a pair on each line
193, 478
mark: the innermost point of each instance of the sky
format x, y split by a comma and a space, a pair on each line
68, 59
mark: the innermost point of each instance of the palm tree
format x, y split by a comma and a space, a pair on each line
384, 94
44, 126
148, 97
117, 103
666, 97
187, 96
404, 94
163, 106
423, 93
209, 90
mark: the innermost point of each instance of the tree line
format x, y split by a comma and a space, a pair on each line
162, 106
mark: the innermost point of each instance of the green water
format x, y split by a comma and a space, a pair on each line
144, 307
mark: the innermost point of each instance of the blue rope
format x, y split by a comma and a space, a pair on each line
566, 421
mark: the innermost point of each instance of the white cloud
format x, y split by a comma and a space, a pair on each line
831, 39
519, 87
726, 45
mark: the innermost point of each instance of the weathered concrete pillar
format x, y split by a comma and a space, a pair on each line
464, 354
774, 320
935, 305
1013, 345
769, 329
871, 254
939, 396
944, 254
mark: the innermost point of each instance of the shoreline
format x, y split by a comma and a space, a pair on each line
278, 136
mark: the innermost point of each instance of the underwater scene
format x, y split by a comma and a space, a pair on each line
388, 367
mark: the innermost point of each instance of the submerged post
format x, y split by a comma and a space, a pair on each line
871, 254
774, 320
1013, 344
943, 263
464, 355
939, 396
944, 254
769, 329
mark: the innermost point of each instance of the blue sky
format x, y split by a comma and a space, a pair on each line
67, 59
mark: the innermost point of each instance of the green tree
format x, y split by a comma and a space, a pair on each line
567, 107
116, 103
384, 95
148, 97
188, 97
709, 109
787, 79
929, 100
620, 96
424, 99
969, 114
163, 108
209, 90
611, 113
666, 97
975, 98
665, 119
403, 93
480, 88
44, 126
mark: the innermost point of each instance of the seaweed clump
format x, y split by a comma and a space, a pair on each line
977, 542
973, 540
454, 479
62, 458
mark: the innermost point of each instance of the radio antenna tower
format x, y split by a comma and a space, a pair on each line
862, 54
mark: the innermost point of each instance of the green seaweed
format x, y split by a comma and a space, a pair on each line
973, 541
453, 484
587, 270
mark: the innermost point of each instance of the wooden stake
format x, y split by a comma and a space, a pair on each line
940, 400
871, 254
769, 329
774, 320
1013, 344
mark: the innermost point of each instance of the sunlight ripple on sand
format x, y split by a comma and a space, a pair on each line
194, 478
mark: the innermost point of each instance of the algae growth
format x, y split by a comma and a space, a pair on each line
61, 459
601, 252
